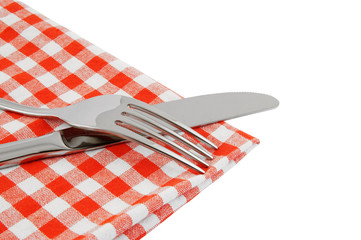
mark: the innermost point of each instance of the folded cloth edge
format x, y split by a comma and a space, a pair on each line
196, 182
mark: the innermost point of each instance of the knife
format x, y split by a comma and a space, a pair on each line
194, 112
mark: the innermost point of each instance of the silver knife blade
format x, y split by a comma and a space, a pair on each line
206, 109
194, 111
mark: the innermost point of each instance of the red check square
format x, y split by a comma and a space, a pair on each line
86, 206
13, 7
72, 81
23, 78
173, 182
6, 184
49, 64
5, 63
53, 228
225, 149
2, 227
120, 150
32, 19
117, 187
45, 95
74, 48
92, 94
120, 80
27, 206
40, 127
59, 186
90, 167
145, 96
9, 138
34, 167
29, 49
145, 167
52, 32
96, 63
8, 34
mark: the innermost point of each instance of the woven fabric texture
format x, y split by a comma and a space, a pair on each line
123, 191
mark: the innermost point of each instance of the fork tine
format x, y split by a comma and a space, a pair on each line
160, 127
154, 134
135, 137
167, 118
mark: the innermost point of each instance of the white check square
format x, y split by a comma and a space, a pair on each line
73, 64
172, 169
94, 49
70, 96
62, 166
144, 80
96, 81
23, 228
30, 185
20, 94
56, 207
168, 194
4, 205
222, 133
4, 77
169, 96
122, 92
10, 19
145, 187
143, 150
73, 35
149, 222
30, 33
83, 226
115, 206
119, 65
106, 231
88, 186
138, 213
13, 126
51, 48
48, 79
7, 49
118, 167
26, 64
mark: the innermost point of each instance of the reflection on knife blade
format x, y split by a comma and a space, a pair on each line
76, 138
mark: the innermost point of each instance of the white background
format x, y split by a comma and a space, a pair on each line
304, 180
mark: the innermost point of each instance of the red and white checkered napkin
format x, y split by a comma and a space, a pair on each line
121, 191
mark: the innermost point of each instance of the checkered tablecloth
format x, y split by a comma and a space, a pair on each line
122, 191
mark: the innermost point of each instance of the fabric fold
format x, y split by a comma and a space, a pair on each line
122, 191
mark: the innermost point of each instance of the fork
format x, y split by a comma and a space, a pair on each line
127, 118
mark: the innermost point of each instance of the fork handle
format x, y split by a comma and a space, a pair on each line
31, 149
26, 110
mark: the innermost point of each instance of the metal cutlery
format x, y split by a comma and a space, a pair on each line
193, 112
127, 118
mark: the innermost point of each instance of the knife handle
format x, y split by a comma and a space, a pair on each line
31, 149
